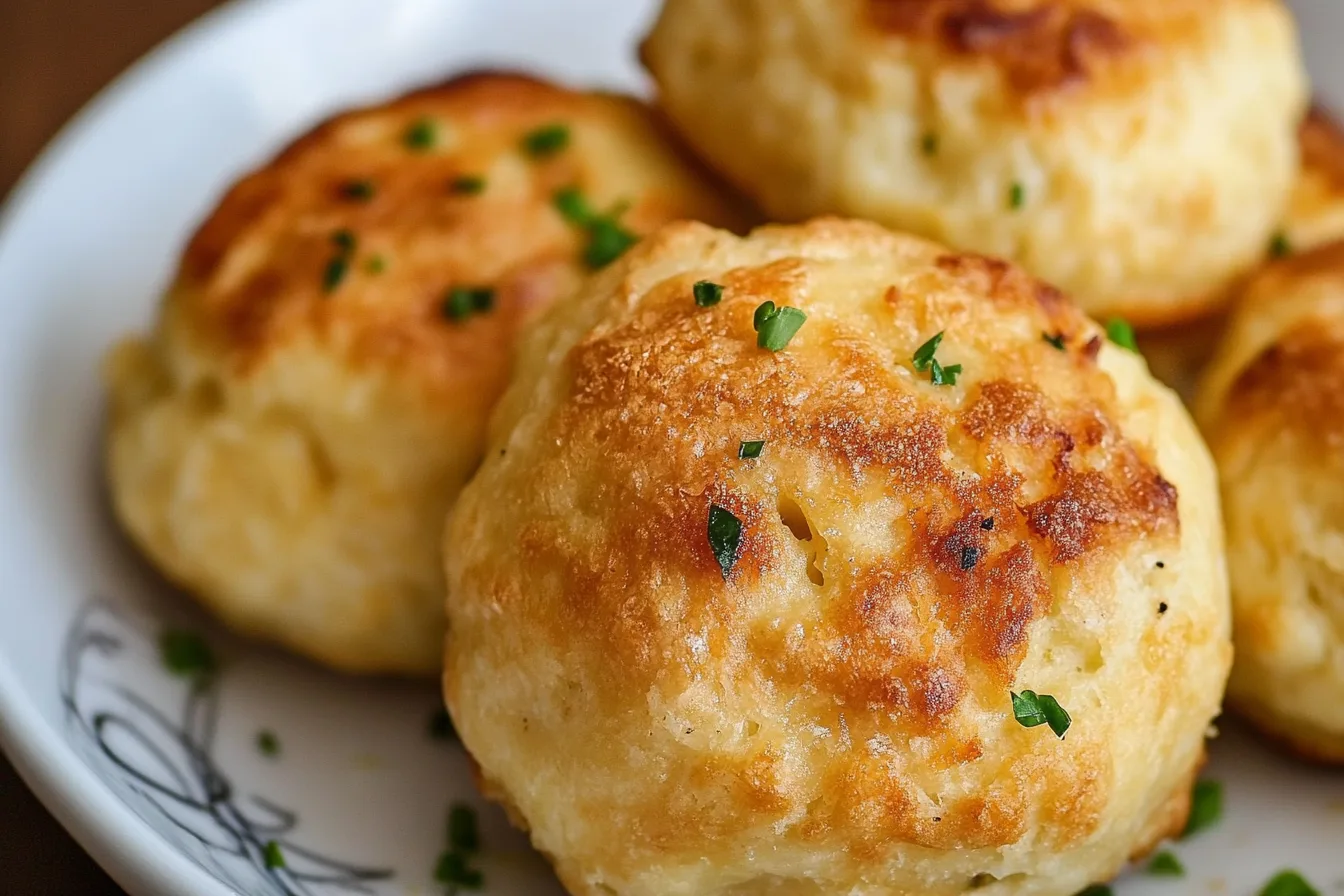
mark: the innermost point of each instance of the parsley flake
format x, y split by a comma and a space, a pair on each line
358, 190
938, 374
608, 240
750, 450
453, 869
1017, 195
1288, 883
422, 135
376, 264
344, 240
1057, 340
776, 327
463, 835
1033, 710
464, 301
267, 743
1096, 890
1166, 864
969, 557
186, 654
467, 185
725, 538
1279, 246
707, 294
546, 141
1206, 807
274, 857
333, 275
441, 725
1119, 331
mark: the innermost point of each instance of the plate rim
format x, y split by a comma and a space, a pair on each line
122, 843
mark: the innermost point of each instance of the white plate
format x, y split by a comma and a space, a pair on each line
165, 788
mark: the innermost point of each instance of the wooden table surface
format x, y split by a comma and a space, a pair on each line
55, 54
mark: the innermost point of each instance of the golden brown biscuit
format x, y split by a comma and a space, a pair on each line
1138, 153
823, 703
1177, 355
1272, 406
286, 443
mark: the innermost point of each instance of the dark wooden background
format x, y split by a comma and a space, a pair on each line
54, 54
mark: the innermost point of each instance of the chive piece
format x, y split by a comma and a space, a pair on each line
467, 185
750, 450
1032, 710
1206, 807
944, 376
607, 241
358, 190
454, 870
1121, 333
1017, 195
186, 654
572, 206
441, 725
335, 272
1096, 890
376, 264
707, 294
928, 144
924, 354
344, 240
1288, 883
463, 835
1279, 247
464, 301
725, 538
1166, 864
546, 141
267, 743
776, 327
422, 135
1056, 340
274, 857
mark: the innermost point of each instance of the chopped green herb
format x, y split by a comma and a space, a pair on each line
454, 869
924, 354
751, 450
358, 190
944, 376
467, 185
970, 555
1096, 890
776, 327
707, 294
1279, 247
335, 272
1057, 340
186, 654
938, 374
607, 241
1017, 196
1288, 883
274, 857
463, 835
344, 240
1032, 710
1121, 333
267, 743
441, 725
1206, 807
546, 141
928, 144
725, 538
376, 264
464, 301
422, 135
1166, 864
